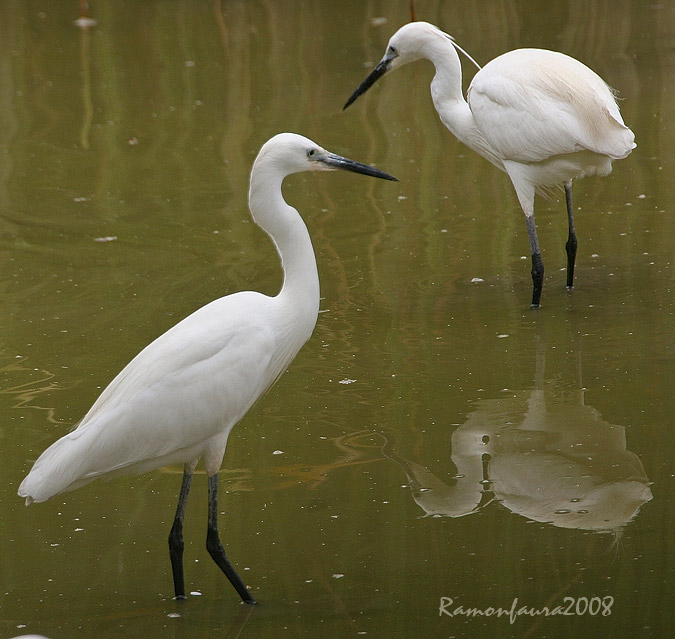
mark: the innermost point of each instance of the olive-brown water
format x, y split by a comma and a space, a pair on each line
436, 444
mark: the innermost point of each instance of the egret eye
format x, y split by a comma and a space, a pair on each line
392, 51
311, 153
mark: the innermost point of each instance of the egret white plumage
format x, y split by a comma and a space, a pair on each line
178, 399
541, 116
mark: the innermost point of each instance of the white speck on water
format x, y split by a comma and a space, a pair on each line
85, 22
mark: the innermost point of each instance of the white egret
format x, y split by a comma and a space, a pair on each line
541, 116
178, 399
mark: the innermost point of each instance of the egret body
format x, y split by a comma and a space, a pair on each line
541, 116
178, 399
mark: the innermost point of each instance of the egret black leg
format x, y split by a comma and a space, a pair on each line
537, 279
571, 245
176, 535
537, 263
216, 549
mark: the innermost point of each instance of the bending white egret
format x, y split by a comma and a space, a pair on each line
541, 116
178, 399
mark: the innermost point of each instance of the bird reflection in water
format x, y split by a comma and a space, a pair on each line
543, 454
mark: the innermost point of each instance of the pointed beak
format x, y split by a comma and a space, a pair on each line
333, 161
372, 78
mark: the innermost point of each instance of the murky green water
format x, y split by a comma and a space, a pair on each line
539, 445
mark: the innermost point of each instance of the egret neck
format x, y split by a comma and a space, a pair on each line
284, 225
448, 99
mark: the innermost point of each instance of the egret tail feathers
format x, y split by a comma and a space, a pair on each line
60, 468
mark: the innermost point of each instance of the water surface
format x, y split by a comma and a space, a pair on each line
435, 438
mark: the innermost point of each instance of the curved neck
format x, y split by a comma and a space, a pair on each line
446, 93
290, 236
446, 87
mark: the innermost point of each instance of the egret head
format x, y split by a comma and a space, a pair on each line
291, 153
408, 44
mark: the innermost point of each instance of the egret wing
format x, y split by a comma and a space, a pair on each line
533, 104
191, 384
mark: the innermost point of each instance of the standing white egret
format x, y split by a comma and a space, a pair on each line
178, 399
541, 116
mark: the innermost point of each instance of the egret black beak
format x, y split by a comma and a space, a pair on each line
334, 161
371, 79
